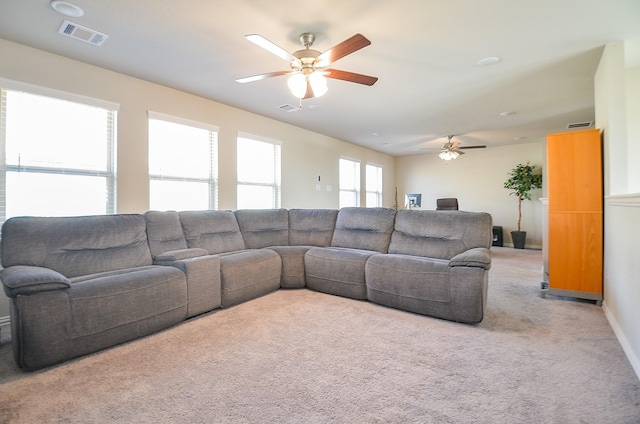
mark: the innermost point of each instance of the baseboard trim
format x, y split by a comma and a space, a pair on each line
622, 339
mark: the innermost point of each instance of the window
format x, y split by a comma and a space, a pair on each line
56, 153
183, 164
374, 186
349, 183
258, 173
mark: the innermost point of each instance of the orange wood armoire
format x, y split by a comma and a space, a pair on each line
574, 189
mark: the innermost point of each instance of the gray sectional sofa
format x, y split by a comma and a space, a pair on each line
81, 284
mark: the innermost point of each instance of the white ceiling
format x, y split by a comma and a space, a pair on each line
424, 53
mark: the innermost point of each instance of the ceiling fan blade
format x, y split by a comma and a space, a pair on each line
340, 50
472, 147
350, 76
259, 40
262, 76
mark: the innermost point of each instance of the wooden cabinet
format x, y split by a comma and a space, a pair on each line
575, 220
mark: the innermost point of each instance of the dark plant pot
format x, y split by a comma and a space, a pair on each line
518, 238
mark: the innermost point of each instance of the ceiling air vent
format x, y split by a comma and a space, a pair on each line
82, 33
579, 125
288, 108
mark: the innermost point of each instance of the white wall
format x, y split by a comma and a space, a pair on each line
476, 179
305, 154
632, 89
617, 91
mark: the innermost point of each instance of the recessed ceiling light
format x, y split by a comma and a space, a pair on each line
519, 138
487, 61
508, 113
66, 8
386, 143
375, 134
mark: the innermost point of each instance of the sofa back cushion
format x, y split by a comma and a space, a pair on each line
263, 227
440, 234
364, 228
164, 232
75, 246
214, 231
311, 227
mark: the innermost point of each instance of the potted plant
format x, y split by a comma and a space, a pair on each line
521, 181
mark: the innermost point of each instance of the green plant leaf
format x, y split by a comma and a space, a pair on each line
522, 180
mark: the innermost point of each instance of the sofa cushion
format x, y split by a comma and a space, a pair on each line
292, 257
248, 274
427, 286
311, 227
263, 227
409, 277
337, 270
77, 245
103, 301
164, 232
440, 234
364, 228
214, 231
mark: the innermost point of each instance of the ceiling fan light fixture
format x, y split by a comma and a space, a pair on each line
298, 85
318, 84
449, 151
448, 155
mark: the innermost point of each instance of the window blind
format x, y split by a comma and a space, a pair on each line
57, 156
349, 183
183, 164
258, 168
373, 175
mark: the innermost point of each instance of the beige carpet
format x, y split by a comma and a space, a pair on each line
304, 357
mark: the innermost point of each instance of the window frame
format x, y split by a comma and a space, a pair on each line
276, 185
379, 185
213, 179
110, 170
355, 191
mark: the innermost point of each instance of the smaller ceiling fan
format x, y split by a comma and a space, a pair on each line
452, 149
309, 70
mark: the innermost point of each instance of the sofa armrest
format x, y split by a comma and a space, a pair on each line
479, 257
26, 280
178, 255
204, 289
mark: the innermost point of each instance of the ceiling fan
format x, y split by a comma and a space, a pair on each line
309, 70
452, 149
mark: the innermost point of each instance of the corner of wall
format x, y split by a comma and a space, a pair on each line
633, 358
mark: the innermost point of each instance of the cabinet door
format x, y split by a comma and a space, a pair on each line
574, 166
575, 252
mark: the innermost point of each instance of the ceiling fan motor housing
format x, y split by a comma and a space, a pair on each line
306, 60
307, 39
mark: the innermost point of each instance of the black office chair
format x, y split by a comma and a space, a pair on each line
447, 204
